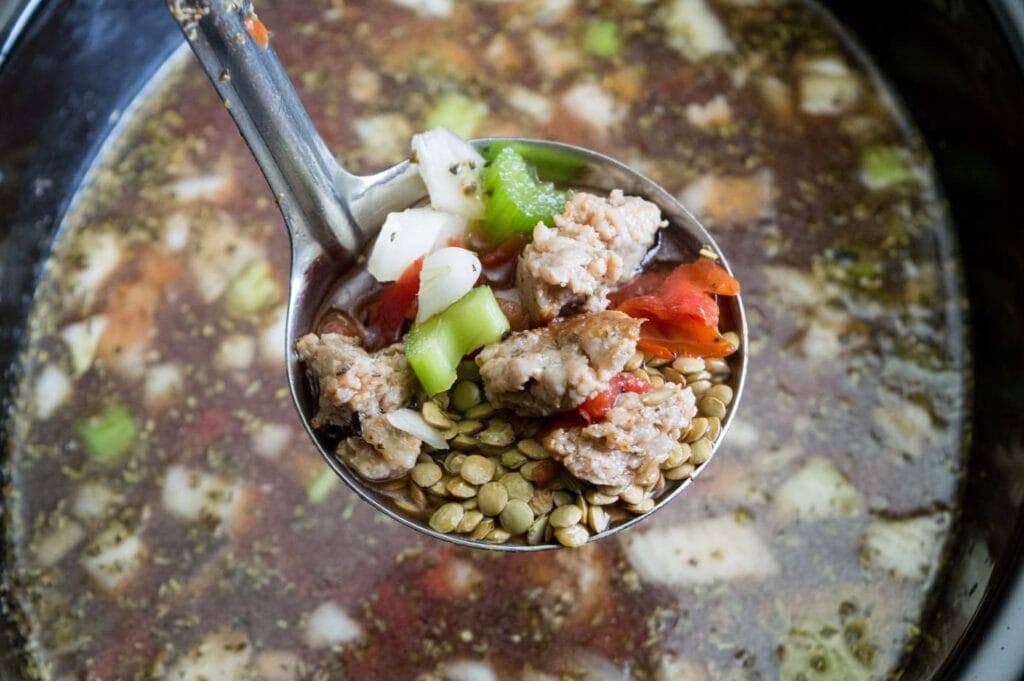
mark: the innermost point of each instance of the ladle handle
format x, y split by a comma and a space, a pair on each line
312, 189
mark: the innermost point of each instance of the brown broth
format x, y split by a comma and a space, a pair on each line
857, 358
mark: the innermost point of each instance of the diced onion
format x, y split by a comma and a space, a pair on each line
412, 422
450, 168
82, 339
447, 275
405, 236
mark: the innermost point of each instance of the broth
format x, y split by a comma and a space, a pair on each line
214, 535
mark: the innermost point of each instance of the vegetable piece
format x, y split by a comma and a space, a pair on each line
321, 485
412, 422
450, 167
551, 163
596, 407
406, 236
682, 317
447, 275
82, 339
256, 30
458, 113
253, 290
109, 435
395, 305
435, 348
882, 167
601, 38
517, 201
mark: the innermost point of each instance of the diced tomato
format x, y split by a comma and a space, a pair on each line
337, 321
681, 314
396, 304
595, 408
500, 261
644, 284
705, 274
686, 336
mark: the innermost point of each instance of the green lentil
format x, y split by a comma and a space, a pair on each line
700, 387
477, 469
483, 529
498, 536
541, 501
712, 406
460, 489
516, 517
469, 522
468, 371
492, 498
698, 427
714, 428
688, 365
481, 411
680, 472
513, 459
596, 498
535, 534
733, 338
532, 449
464, 442
453, 462
517, 486
465, 394
565, 516
498, 434
433, 415
720, 392
702, 449
572, 537
426, 474
446, 518
598, 519
469, 426
632, 494
561, 498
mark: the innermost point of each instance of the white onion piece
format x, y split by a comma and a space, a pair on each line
447, 275
412, 422
450, 168
452, 227
404, 237
82, 339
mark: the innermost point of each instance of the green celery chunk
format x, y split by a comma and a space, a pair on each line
551, 163
601, 38
516, 200
458, 113
882, 167
436, 347
253, 290
321, 484
109, 435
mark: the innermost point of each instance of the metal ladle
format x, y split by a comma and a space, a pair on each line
331, 214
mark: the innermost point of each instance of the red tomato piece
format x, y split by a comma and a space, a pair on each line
687, 337
396, 304
596, 408
257, 31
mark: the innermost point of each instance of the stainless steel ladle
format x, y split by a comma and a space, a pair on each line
331, 214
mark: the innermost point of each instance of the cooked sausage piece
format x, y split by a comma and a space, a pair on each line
595, 243
555, 368
382, 453
638, 433
352, 381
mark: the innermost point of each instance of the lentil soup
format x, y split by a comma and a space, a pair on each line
173, 521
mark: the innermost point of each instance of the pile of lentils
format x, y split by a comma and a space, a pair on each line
498, 484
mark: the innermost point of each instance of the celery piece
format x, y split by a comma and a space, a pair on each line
551, 163
601, 38
321, 485
253, 290
436, 347
882, 167
108, 435
516, 200
458, 113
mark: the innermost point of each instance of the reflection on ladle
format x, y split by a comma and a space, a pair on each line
331, 214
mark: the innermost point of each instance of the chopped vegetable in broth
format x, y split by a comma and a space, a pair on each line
174, 521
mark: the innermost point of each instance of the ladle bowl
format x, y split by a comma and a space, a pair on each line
332, 215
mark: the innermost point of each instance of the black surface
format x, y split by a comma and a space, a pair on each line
955, 65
